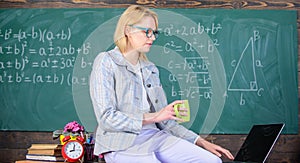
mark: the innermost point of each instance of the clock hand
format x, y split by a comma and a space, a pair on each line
73, 148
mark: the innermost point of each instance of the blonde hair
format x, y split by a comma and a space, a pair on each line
132, 15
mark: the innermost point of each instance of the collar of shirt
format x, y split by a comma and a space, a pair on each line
147, 67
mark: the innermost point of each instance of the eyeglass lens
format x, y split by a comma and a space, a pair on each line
149, 32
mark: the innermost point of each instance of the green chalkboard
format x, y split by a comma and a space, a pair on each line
236, 67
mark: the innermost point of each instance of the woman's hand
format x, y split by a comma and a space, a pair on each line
166, 113
213, 148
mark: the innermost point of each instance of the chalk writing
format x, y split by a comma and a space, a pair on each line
41, 35
192, 70
213, 29
19, 53
247, 56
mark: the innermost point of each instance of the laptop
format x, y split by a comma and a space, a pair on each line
258, 143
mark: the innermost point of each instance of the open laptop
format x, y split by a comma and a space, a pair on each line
258, 143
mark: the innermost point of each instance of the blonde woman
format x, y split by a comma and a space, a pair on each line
135, 122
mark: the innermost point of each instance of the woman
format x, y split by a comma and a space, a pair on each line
135, 122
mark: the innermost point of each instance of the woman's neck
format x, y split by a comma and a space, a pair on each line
132, 56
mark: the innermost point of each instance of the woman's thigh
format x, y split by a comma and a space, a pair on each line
184, 151
152, 146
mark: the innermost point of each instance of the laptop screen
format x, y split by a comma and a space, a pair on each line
259, 143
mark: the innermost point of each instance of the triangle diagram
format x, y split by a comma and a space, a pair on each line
244, 75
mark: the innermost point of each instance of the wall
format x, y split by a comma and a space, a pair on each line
13, 145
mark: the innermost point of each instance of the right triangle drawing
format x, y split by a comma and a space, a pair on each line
244, 75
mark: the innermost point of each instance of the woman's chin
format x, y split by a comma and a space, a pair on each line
145, 49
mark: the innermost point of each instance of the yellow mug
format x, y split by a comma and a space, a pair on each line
185, 104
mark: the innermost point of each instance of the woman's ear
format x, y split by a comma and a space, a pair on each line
127, 30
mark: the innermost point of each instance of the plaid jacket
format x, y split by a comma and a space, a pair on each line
116, 93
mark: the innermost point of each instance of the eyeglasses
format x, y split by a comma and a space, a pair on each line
149, 31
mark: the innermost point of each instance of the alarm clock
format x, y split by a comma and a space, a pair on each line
73, 150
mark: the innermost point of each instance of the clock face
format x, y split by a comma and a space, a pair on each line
73, 150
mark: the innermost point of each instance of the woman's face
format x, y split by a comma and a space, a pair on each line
137, 35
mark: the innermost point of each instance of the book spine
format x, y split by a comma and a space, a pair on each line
43, 158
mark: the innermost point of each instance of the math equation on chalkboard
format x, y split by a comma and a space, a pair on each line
54, 53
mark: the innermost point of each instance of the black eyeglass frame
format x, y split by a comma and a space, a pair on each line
146, 30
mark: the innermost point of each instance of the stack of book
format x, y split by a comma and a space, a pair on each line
45, 152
